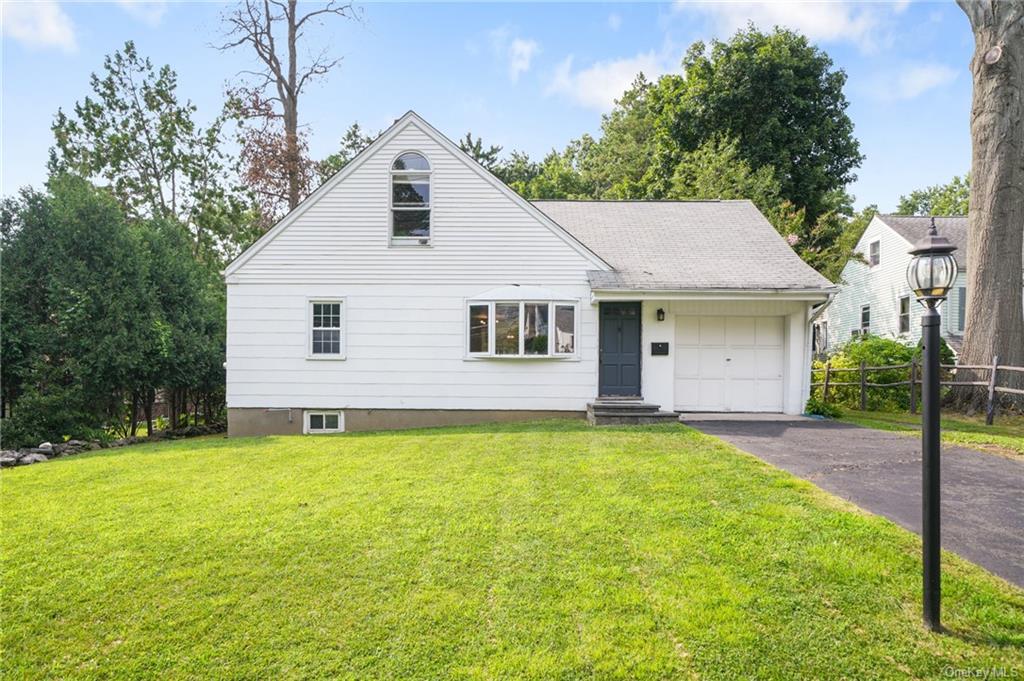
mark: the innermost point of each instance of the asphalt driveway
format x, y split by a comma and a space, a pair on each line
982, 494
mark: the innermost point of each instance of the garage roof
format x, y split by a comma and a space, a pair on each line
684, 245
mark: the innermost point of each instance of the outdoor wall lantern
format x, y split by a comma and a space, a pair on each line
661, 315
931, 274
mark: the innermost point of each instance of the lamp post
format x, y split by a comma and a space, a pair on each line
930, 274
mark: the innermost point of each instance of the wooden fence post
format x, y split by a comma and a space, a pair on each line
990, 408
913, 386
824, 390
863, 388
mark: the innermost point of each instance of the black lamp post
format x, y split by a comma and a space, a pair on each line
931, 274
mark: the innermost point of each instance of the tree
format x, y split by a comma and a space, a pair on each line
777, 95
995, 321
275, 142
559, 175
517, 171
487, 157
940, 199
354, 141
135, 135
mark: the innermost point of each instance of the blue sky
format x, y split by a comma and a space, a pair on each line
526, 76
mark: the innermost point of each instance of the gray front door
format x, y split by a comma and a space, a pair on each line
619, 366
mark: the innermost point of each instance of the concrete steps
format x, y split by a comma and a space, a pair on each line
624, 412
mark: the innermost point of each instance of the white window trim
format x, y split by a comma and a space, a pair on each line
551, 354
324, 412
879, 261
410, 241
343, 328
900, 314
860, 320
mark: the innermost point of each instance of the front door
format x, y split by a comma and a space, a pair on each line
619, 372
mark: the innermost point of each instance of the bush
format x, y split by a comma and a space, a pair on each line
40, 417
819, 408
873, 351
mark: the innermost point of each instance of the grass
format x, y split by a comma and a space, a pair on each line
548, 550
1005, 436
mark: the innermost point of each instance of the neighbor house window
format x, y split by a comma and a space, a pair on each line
522, 329
905, 314
961, 308
325, 328
865, 319
410, 200
324, 422
874, 253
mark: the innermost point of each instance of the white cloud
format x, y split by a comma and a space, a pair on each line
601, 83
819, 21
39, 25
614, 21
516, 52
912, 81
520, 54
147, 11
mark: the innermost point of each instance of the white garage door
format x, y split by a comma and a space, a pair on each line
729, 363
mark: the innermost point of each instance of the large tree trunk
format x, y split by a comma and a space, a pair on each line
291, 114
995, 311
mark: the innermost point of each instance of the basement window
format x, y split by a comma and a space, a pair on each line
324, 422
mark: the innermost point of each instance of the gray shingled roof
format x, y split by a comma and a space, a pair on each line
683, 245
913, 227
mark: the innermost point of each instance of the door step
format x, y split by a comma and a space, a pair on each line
618, 412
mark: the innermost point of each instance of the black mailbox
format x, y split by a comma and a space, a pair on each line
659, 348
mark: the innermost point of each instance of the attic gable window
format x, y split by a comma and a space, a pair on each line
410, 200
874, 253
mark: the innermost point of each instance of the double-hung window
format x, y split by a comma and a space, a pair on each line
522, 328
874, 253
865, 320
410, 200
961, 308
905, 314
325, 329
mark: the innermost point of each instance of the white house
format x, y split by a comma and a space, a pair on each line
874, 296
415, 288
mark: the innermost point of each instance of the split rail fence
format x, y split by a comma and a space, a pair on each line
914, 381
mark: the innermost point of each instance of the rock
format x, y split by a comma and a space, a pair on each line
45, 447
8, 459
59, 449
42, 452
76, 443
31, 458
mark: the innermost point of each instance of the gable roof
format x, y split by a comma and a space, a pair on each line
913, 227
684, 245
410, 118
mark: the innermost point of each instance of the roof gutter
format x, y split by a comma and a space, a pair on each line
823, 295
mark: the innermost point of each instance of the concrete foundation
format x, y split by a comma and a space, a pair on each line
248, 422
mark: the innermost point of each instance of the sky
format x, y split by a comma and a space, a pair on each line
526, 76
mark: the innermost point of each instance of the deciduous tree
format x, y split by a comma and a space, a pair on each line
952, 198
274, 30
995, 321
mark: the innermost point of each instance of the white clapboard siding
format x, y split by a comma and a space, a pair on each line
881, 287
479, 234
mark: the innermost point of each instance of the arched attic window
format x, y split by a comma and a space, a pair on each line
410, 200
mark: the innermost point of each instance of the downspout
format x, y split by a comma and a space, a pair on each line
813, 314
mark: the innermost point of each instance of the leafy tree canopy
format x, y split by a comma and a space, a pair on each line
777, 95
940, 199
134, 135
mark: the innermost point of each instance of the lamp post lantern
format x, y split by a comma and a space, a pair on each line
931, 274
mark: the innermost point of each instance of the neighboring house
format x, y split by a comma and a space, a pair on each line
874, 296
415, 288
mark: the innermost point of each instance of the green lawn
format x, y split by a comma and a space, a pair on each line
1005, 436
548, 550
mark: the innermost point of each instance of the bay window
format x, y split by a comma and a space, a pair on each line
522, 329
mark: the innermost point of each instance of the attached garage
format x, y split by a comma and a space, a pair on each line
729, 363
